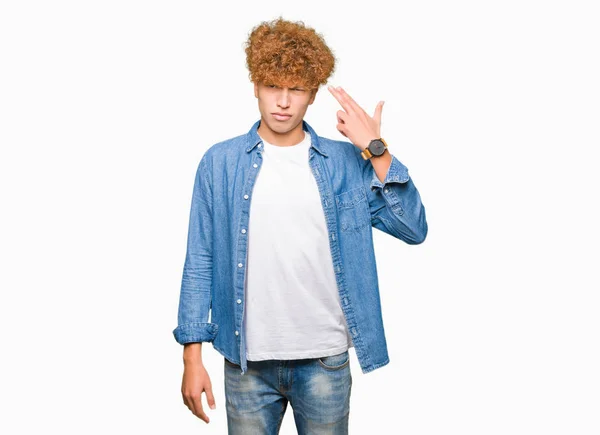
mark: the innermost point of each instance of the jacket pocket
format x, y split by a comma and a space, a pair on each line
353, 209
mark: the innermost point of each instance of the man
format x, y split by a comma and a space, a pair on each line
280, 249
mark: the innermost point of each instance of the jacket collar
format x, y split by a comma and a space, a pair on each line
254, 139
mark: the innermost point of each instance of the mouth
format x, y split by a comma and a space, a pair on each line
281, 116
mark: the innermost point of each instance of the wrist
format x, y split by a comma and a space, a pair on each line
375, 148
192, 353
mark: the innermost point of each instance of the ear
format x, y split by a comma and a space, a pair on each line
256, 89
314, 94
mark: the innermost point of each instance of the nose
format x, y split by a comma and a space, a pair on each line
283, 99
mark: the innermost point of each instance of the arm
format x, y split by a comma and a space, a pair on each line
193, 327
195, 294
395, 203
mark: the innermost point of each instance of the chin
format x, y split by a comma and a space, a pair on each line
280, 128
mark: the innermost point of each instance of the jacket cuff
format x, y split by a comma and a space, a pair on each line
397, 173
195, 332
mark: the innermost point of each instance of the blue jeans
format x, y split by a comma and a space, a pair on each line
318, 390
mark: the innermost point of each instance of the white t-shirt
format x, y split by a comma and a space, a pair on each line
293, 308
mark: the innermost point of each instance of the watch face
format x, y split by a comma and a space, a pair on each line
376, 147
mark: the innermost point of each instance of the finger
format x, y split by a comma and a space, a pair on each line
197, 409
186, 401
342, 129
378, 109
210, 398
189, 402
350, 101
348, 105
335, 93
342, 116
340, 97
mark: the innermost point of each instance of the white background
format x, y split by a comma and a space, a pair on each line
106, 109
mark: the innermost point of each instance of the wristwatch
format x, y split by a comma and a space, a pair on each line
375, 148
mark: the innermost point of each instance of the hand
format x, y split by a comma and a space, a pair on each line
195, 381
353, 121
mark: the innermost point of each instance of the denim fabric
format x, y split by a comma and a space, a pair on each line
354, 201
318, 390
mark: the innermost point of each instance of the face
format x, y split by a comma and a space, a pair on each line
282, 110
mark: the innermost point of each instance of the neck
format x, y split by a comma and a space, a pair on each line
289, 138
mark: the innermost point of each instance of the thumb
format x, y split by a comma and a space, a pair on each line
378, 109
210, 398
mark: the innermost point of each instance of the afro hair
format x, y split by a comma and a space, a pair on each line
287, 53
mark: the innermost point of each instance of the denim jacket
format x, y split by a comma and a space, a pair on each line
354, 200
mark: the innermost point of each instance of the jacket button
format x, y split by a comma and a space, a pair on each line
255, 165
245, 196
240, 264
237, 333
239, 301
243, 230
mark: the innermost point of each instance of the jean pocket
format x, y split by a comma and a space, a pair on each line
335, 362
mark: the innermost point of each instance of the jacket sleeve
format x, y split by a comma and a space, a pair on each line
395, 204
195, 294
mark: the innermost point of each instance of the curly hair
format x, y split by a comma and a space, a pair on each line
287, 53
